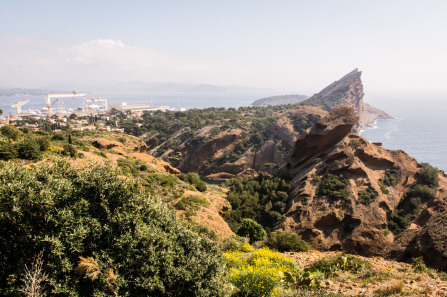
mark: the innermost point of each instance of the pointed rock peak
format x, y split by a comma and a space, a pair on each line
353, 73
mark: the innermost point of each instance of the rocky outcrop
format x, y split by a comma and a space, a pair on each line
348, 91
338, 199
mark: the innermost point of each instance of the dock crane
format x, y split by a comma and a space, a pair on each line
49, 104
19, 105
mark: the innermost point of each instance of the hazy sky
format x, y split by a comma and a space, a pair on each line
299, 46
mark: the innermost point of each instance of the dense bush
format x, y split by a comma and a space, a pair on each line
29, 149
231, 243
334, 187
261, 198
252, 230
284, 241
10, 132
70, 150
194, 179
368, 196
58, 136
429, 176
8, 151
69, 213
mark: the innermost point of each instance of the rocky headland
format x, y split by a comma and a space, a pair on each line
349, 194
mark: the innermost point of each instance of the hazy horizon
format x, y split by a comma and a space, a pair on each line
285, 46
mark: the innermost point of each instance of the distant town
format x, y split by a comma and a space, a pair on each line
94, 114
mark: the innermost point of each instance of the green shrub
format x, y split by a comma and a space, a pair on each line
284, 241
391, 177
418, 264
194, 179
261, 198
203, 230
341, 262
10, 132
429, 175
69, 150
368, 196
251, 229
71, 213
44, 143
58, 136
8, 151
334, 187
409, 207
192, 202
355, 144
231, 243
29, 149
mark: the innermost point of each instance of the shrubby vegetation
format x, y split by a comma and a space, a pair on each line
368, 196
334, 187
413, 201
132, 244
284, 241
194, 179
390, 180
252, 230
167, 130
260, 198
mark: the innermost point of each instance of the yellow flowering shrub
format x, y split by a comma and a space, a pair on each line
258, 273
246, 248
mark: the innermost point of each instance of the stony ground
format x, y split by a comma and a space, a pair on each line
385, 278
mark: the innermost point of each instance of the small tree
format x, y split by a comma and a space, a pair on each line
429, 176
69, 150
251, 229
10, 131
29, 149
284, 241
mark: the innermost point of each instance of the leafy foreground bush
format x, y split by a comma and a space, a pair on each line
257, 273
284, 241
130, 244
252, 230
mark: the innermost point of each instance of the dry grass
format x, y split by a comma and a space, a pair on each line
395, 287
89, 267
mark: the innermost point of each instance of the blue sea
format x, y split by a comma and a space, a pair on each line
419, 124
418, 127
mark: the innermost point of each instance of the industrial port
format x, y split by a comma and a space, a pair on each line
53, 105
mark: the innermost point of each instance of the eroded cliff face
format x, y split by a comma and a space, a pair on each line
348, 91
339, 198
